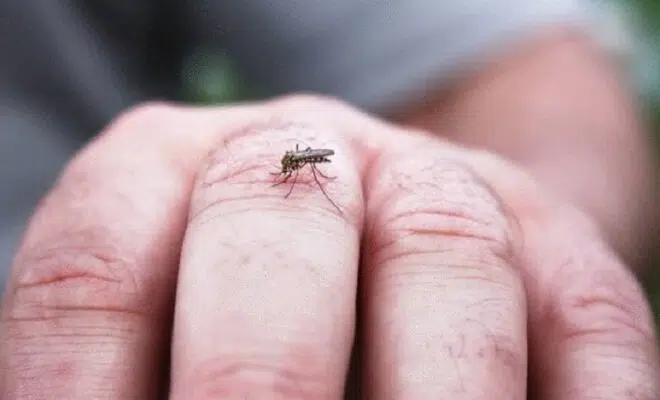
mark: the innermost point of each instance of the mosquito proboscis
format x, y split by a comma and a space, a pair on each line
294, 160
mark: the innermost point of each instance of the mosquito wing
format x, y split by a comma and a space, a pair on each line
312, 153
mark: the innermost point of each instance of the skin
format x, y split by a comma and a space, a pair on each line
164, 263
561, 109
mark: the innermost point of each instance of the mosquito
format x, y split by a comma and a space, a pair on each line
294, 160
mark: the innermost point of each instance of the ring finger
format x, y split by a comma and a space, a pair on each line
444, 307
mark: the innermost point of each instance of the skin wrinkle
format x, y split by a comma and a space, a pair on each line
429, 233
232, 173
46, 292
98, 335
74, 264
83, 276
579, 289
590, 302
463, 219
301, 214
221, 376
598, 306
30, 280
117, 332
201, 213
116, 269
301, 210
218, 170
465, 206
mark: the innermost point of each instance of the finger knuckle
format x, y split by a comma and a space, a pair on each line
241, 161
597, 308
237, 168
61, 282
441, 199
232, 378
597, 299
65, 305
228, 158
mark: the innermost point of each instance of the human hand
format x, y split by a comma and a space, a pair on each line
165, 236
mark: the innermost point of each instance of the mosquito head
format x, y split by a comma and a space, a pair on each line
288, 161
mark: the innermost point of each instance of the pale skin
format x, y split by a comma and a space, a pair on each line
165, 237
557, 106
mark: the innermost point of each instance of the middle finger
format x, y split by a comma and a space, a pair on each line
444, 305
266, 297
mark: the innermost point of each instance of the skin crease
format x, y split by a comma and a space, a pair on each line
559, 108
156, 240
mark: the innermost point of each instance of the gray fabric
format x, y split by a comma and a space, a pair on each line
68, 67
376, 53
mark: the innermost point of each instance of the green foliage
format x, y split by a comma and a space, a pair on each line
649, 23
650, 8
211, 77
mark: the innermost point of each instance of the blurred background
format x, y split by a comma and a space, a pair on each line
632, 29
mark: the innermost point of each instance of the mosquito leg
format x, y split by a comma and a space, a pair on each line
286, 178
295, 178
322, 174
314, 170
